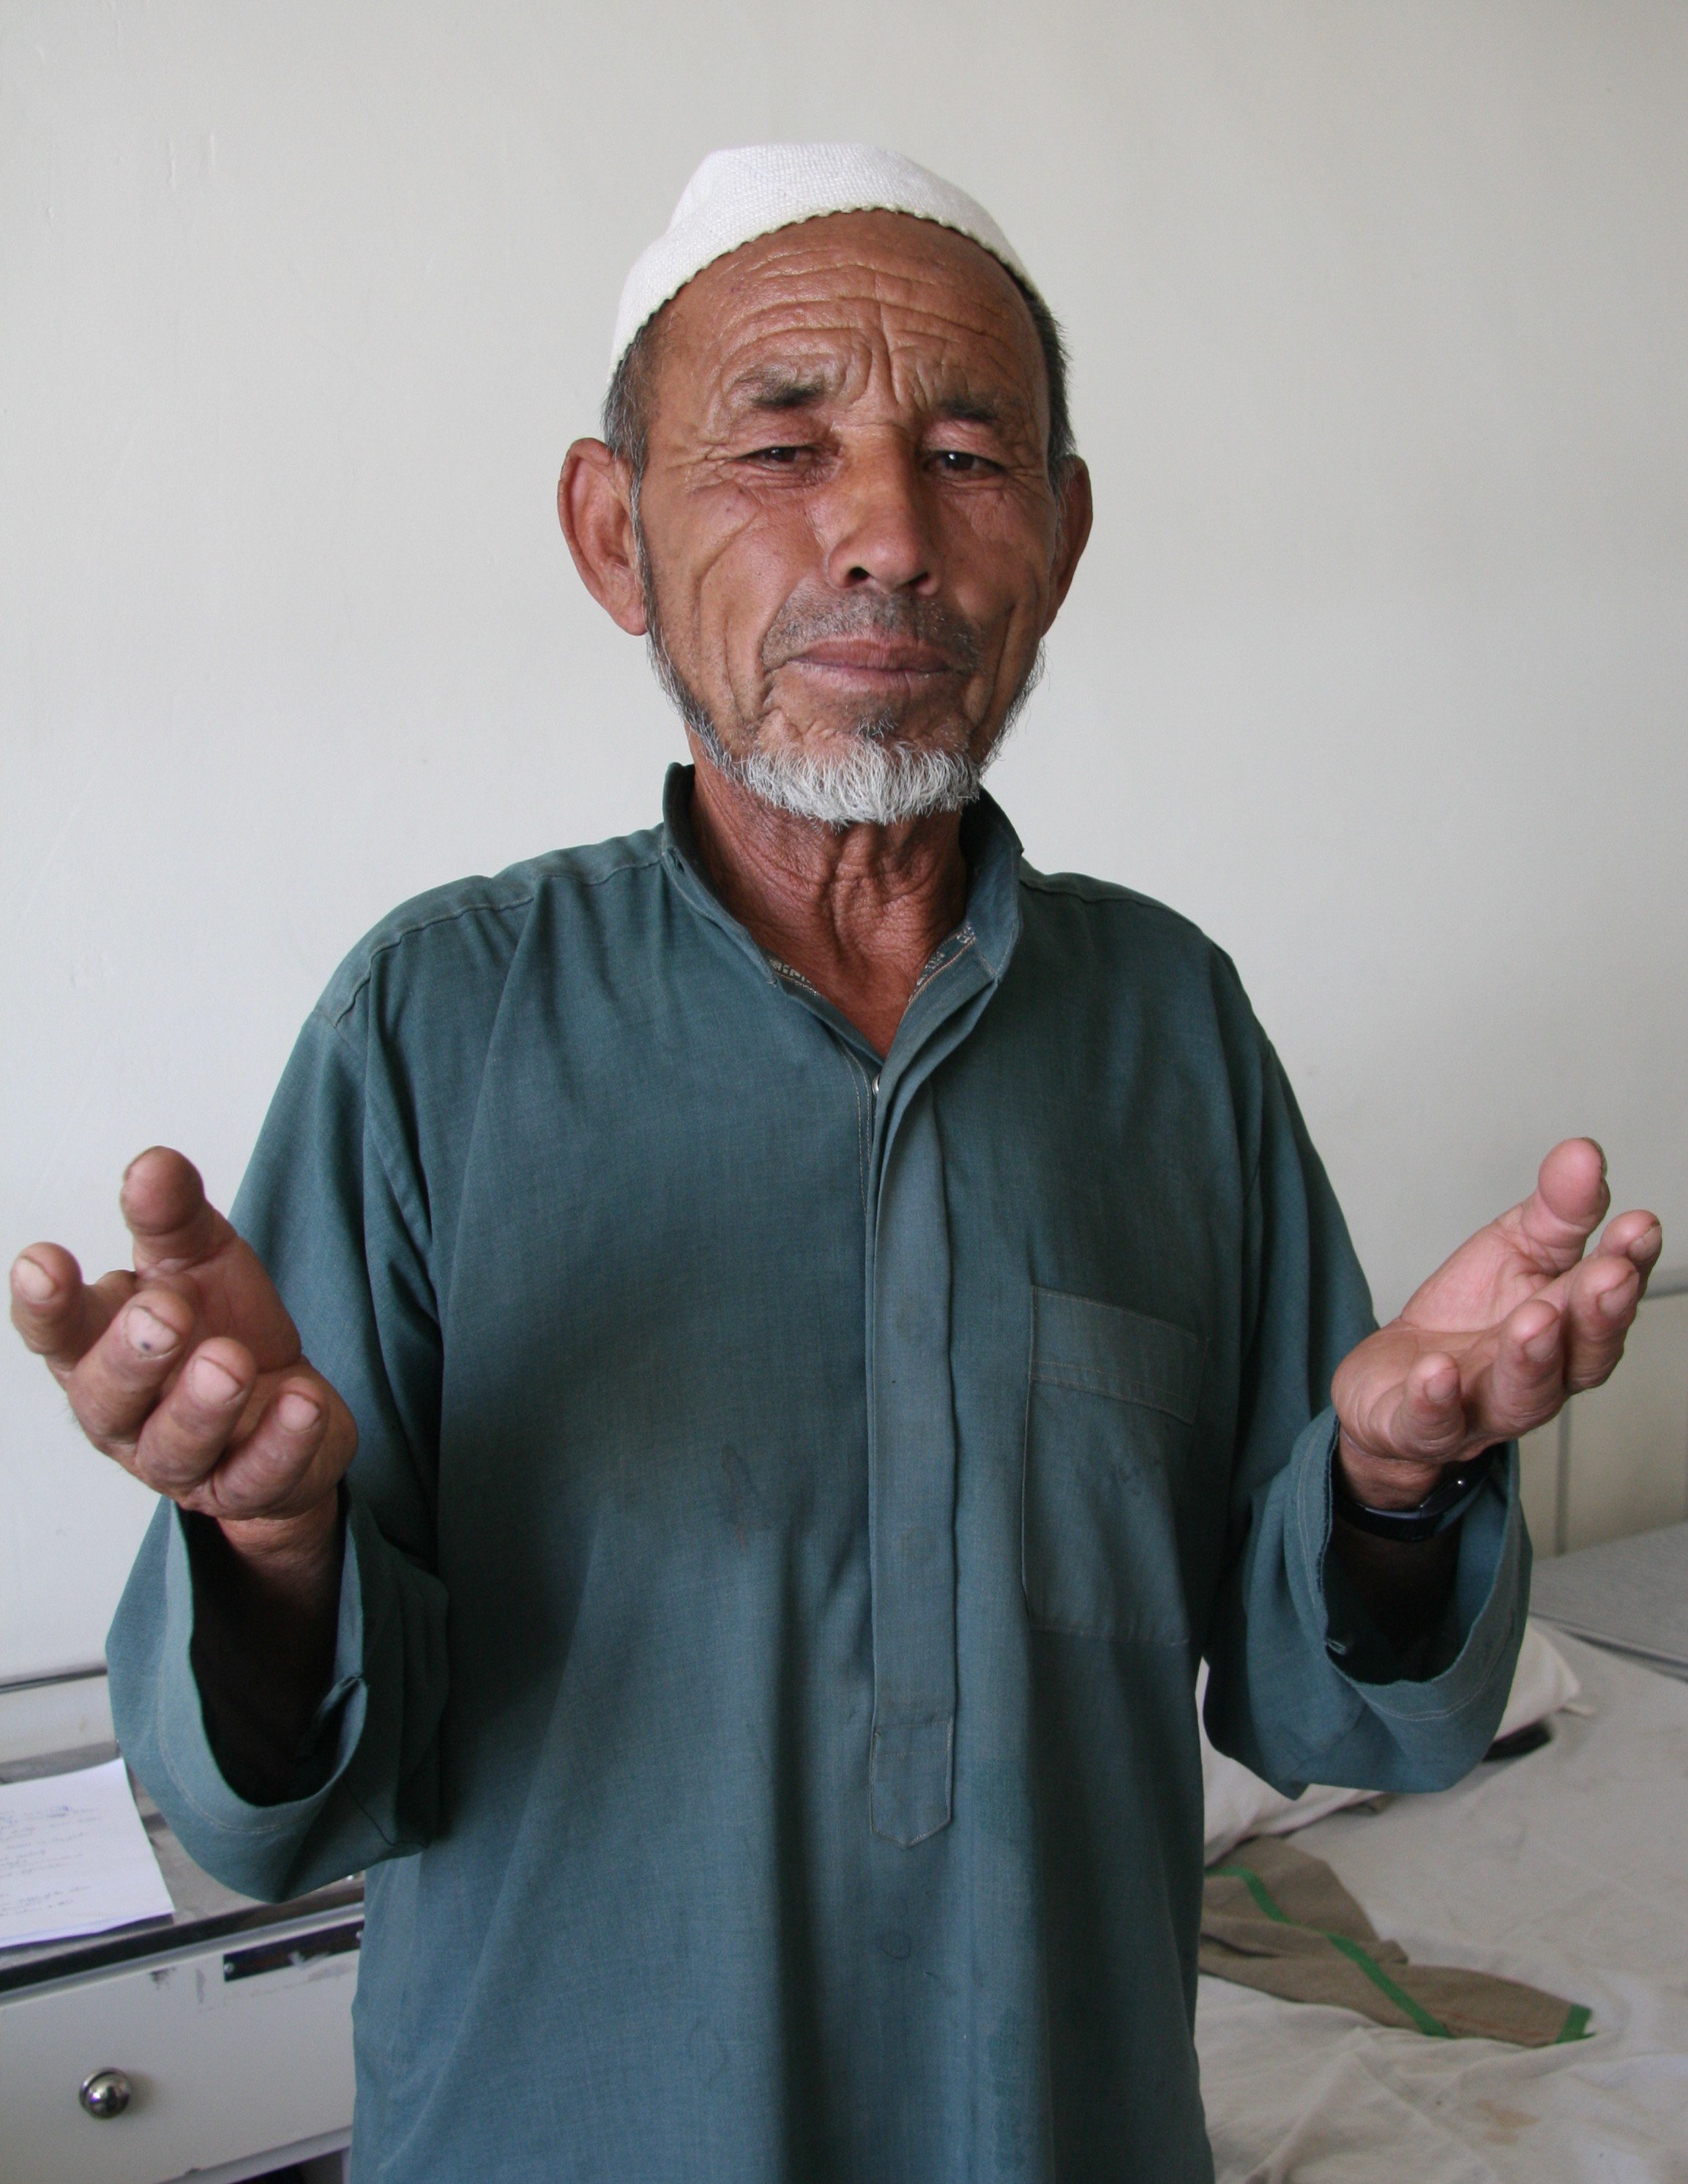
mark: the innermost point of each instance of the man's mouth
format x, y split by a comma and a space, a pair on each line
874, 657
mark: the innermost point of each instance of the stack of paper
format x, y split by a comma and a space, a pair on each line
75, 1858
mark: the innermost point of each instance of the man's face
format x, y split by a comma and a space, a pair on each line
848, 527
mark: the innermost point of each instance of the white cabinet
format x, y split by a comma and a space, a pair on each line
229, 2028
238, 2051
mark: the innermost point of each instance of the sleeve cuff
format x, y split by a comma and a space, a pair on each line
1486, 1612
161, 1727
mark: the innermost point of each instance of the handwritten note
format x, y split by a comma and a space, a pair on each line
74, 1858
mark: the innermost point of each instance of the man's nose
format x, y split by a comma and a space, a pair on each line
877, 521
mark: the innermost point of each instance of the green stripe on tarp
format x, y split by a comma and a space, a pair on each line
1256, 1888
1575, 2026
1432, 2027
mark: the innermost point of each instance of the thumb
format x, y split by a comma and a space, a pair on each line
173, 1224
1568, 1204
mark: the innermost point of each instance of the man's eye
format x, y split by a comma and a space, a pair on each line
960, 462
777, 458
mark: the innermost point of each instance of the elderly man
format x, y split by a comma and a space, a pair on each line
833, 1325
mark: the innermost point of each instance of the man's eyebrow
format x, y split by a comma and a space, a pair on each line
779, 386
970, 409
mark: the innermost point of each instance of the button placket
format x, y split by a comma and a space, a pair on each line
912, 1452
911, 1494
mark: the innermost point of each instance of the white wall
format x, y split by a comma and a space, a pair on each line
1377, 665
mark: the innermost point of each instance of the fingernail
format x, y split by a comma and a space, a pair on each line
1614, 1302
1540, 1347
32, 1281
297, 1412
146, 1332
213, 1383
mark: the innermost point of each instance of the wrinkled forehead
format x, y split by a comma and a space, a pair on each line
830, 303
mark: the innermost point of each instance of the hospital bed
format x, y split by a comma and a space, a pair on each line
1567, 1868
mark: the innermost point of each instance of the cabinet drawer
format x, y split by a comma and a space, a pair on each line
232, 2051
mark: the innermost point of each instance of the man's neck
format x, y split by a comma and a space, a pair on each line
855, 911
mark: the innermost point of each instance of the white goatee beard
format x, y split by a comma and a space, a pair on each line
869, 783
873, 781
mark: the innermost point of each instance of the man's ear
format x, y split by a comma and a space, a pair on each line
595, 508
1076, 511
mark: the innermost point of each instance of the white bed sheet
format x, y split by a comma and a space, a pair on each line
1569, 1869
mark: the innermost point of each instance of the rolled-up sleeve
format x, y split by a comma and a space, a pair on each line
1309, 1716
1290, 1693
363, 1765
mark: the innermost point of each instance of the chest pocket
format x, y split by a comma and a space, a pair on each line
1108, 1417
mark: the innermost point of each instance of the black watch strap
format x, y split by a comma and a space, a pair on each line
1442, 1509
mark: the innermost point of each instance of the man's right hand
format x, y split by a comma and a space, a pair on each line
189, 1373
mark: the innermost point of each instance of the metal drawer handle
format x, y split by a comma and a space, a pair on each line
106, 2094
295, 1950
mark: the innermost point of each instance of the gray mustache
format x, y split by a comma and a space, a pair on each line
800, 623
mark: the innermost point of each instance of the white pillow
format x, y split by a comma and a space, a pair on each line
1543, 1681
1238, 1803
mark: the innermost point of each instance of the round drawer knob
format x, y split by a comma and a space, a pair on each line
106, 2094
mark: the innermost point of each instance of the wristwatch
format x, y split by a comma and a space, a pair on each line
1440, 1511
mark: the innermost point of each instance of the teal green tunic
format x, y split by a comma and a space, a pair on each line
795, 1490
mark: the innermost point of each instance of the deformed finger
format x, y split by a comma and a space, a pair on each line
1525, 1381
117, 1382
1600, 1302
188, 1430
55, 1310
1637, 1236
1429, 1423
293, 1443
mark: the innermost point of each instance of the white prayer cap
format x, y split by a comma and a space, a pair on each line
736, 196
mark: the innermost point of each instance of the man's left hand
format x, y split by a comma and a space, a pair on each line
1517, 1321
